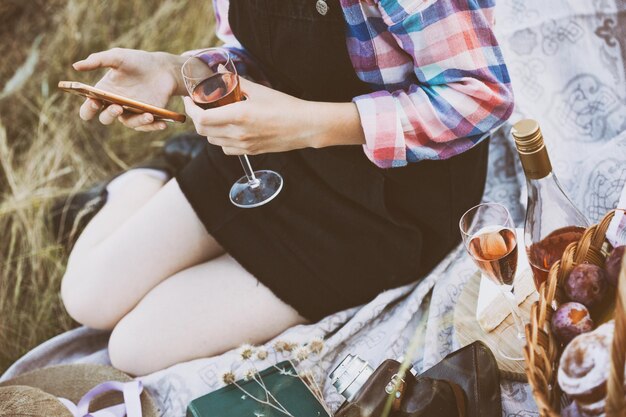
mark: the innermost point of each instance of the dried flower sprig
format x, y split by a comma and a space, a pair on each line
228, 377
316, 345
246, 351
309, 378
295, 353
301, 353
269, 400
246, 354
261, 354
250, 374
284, 346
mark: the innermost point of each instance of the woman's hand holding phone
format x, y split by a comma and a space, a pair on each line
149, 77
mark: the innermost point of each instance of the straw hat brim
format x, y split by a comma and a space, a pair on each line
22, 401
73, 381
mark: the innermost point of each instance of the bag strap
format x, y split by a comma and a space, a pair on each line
130, 408
461, 402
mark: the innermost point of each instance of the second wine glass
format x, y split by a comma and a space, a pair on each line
489, 236
211, 79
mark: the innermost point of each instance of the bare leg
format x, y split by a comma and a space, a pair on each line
129, 248
136, 191
202, 311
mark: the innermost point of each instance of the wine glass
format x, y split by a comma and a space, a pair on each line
212, 81
489, 236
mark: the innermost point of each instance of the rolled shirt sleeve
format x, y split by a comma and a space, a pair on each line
458, 88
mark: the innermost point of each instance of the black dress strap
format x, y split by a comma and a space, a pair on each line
302, 52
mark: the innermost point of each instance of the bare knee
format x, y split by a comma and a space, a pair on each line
141, 343
85, 300
123, 350
133, 350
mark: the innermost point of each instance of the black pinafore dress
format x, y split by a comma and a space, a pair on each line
342, 230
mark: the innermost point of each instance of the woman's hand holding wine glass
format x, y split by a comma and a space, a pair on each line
212, 81
266, 121
245, 118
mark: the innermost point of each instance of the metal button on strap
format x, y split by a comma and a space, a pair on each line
396, 384
322, 7
396, 387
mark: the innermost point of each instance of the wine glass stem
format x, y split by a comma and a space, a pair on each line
245, 163
515, 312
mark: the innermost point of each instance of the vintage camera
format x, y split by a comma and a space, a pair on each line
367, 391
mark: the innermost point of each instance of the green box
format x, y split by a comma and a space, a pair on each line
282, 381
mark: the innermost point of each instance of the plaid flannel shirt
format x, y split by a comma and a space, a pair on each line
437, 74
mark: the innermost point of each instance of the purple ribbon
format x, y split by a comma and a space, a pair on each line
130, 408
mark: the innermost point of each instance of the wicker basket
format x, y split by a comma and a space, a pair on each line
543, 351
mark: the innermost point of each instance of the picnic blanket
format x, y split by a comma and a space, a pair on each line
566, 59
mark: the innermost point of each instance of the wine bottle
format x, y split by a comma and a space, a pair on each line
552, 221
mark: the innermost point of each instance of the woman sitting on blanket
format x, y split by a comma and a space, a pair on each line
375, 113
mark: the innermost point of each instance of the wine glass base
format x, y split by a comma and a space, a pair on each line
513, 350
267, 186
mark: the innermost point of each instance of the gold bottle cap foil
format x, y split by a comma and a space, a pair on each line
532, 151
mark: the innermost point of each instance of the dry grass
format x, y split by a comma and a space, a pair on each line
47, 152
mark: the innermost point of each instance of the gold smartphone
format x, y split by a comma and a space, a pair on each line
128, 104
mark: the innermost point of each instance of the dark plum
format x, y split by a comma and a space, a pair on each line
570, 320
586, 284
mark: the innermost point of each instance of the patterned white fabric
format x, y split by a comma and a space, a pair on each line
567, 64
566, 60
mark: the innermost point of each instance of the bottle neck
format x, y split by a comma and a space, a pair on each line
546, 189
549, 207
536, 163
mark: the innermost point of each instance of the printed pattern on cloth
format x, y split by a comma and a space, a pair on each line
567, 65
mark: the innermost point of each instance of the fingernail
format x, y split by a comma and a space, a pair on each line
95, 106
162, 126
116, 112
